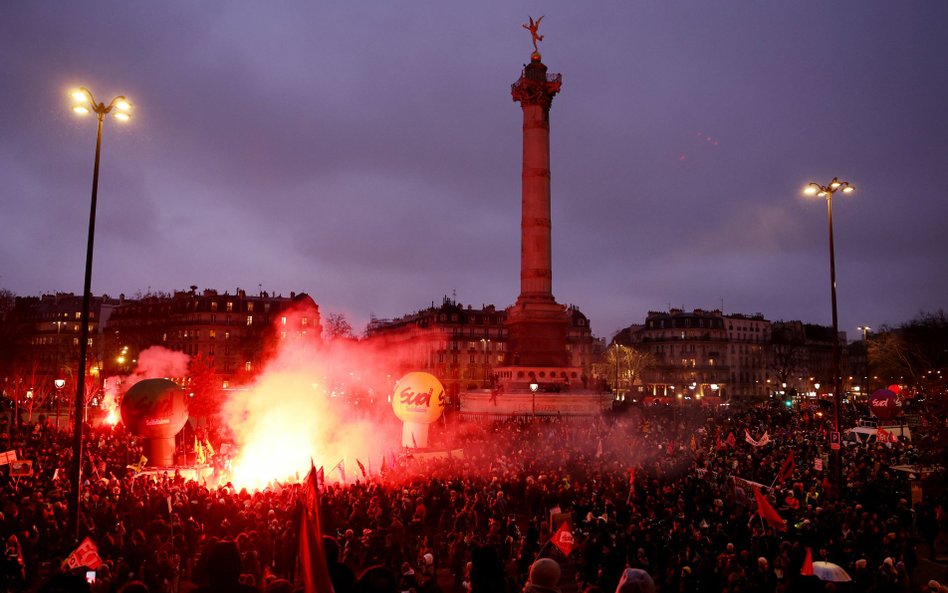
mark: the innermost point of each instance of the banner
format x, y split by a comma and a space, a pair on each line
21, 468
7, 457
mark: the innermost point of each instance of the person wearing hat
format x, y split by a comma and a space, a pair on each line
544, 577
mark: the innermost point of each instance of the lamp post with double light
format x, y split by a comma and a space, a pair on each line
827, 191
119, 108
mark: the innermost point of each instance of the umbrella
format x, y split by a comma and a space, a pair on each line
827, 571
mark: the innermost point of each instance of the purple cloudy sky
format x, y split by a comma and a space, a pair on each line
368, 153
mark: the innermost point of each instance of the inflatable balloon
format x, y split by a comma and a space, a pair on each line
157, 410
418, 400
884, 404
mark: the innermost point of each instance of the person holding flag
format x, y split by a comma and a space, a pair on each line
314, 571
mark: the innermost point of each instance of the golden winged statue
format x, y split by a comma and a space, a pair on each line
533, 27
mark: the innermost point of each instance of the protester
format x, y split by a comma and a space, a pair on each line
670, 497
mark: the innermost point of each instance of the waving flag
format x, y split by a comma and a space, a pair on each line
87, 554
563, 539
314, 571
767, 512
807, 568
362, 469
786, 468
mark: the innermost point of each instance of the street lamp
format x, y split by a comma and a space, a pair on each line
119, 108
865, 342
59, 383
533, 391
827, 191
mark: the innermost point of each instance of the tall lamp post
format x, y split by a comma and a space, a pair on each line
119, 108
827, 191
865, 329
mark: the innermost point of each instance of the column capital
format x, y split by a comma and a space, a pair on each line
535, 86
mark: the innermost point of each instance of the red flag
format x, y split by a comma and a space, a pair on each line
807, 568
632, 477
87, 554
320, 477
563, 539
313, 569
717, 439
383, 469
362, 469
767, 512
671, 447
599, 449
394, 459
731, 440
786, 468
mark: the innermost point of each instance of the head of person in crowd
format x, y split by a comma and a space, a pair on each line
636, 580
376, 579
544, 577
487, 571
66, 582
223, 564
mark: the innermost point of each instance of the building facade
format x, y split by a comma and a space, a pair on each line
462, 346
733, 356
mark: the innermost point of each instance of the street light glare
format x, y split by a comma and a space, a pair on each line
123, 105
79, 96
810, 190
849, 189
835, 184
122, 116
80, 109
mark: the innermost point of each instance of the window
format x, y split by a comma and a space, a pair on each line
304, 321
250, 307
249, 319
283, 320
248, 366
213, 305
230, 305
212, 334
226, 335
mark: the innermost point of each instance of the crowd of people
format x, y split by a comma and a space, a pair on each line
652, 500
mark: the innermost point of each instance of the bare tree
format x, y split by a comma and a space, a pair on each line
622, 365
337, 326
787, 351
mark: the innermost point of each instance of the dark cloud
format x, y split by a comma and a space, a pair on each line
369, 154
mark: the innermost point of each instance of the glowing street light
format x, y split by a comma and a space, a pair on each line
119, 107
865, 329
827, 191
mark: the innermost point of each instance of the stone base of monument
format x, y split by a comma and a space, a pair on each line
487, 405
